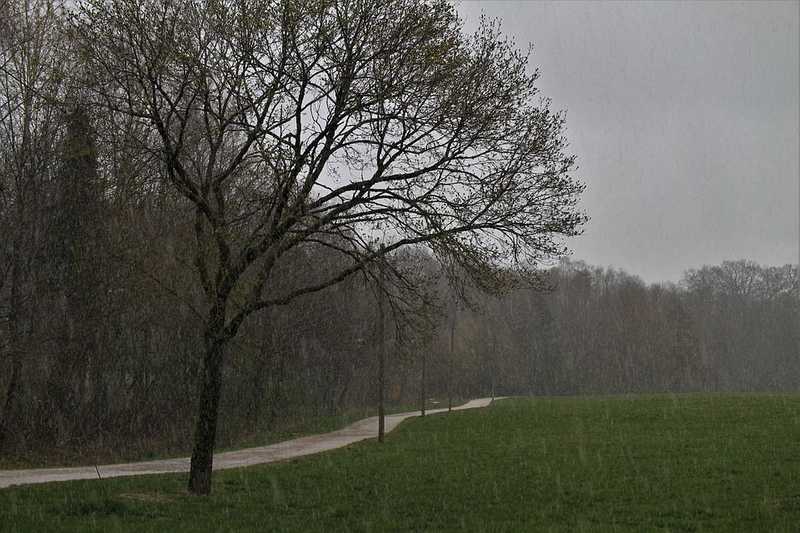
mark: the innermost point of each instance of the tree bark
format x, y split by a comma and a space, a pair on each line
9, 404
205, 435
12, 391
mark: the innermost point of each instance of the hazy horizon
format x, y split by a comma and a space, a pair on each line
684, 119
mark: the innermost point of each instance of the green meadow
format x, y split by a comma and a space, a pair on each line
622, 463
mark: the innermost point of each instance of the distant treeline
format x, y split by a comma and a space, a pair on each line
99, 337
732, 327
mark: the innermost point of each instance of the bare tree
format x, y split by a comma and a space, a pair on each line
31, 62
289, 123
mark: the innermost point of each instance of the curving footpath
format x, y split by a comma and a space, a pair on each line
358, 431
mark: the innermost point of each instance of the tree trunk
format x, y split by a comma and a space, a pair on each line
14, 384
206, 428
9, 405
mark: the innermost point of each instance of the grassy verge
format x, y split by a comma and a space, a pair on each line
660, 463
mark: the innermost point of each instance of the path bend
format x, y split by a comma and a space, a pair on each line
366, 428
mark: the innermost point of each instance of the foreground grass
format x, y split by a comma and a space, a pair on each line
662, 463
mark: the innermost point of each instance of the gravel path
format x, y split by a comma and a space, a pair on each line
361, 430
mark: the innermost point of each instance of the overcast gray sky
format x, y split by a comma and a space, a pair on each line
684, 117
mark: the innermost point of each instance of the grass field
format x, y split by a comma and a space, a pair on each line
658, 463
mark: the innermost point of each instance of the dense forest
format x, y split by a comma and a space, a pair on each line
106, 344
100, 301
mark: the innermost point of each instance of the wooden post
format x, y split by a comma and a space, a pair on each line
450, 357
382, 349
422, 386
493, 362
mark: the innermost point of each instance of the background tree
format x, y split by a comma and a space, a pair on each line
75, 231
31, 76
